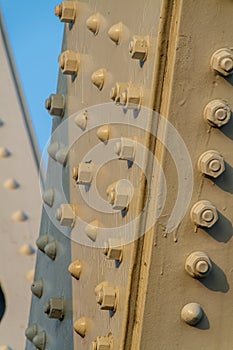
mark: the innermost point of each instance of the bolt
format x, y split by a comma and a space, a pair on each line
58, 11
113, 93
106, 296
192, 313
48, 103
198, 264
59, 214
211, 163
139, 47
55, 308
226, 64
222, 61
207, 215
204, 214
217, 113
75, 173
93, 23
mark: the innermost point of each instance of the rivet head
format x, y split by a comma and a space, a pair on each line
31, 332
93, 23
40, 341
211, 163
80, 326
92, 230
98, 78
198, 264
62, 155
103, 133
37, 288
51, 250
222, 61
4, 152
53, 149
42, 241
48, 197
192, 313
204, 214
30, 275
115, 33
217, 113
11, 184
26, 249
81, 120
75, 269
19, 216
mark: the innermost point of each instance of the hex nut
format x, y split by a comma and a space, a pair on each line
102, 343
204, 214
83, 174
131, 98
139, 47
119, 194
106, 296
222, 61
211, 163
55, 104
125, 149
69, 62
198, 264
55, 308
117, 90
66, 215
113, 249
217, 113
66, 11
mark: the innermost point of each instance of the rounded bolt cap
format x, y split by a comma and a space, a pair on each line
31, 332
40, 340
93, 23
192, 313
115, 33
204, 214
103, 133
80, 326
37, 288
217, 113
75, 269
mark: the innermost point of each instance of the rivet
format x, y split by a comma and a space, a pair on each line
93, 23
42, 241
55, 308
4, 153
19, 216
26, 249
75, 269
48, 197
62, 155
92, 229
51, 250
40, 340
103, 133
81, 120
80, 326
37, 288
192, 313
98, 78
115, 32
30, 275
11, 184
31, 332
53, 149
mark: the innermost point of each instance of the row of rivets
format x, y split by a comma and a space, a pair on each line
49, 248
37, 338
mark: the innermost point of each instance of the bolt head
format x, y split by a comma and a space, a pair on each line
69, 62
198, 264
66, 11
106, 296
211, 163
192, 313
217, 113
204, 214
139, 48
222, 61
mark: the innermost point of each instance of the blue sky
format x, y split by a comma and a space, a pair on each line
36, 37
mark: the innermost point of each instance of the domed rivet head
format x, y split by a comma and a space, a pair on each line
42, 241
19, 216
198, 264
115, 33
222, 61
66, 11
4, 152
37, 288
139, 47
30, 275
31, 332
11, 184
51, 250
103, 133
92, 229
55, 308
66, 215
98, 78
69, 62
62, 155
75, 269
204, 214
55, 104
106, 296
93, 23
217, 113
48, 197
80, 326
81, 120
211, 163
192, 313
40, 341
26, 249
53, 149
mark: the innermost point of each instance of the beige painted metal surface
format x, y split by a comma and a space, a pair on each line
19, 209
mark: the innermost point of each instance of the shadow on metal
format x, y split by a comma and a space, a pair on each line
2, 304
216, 280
